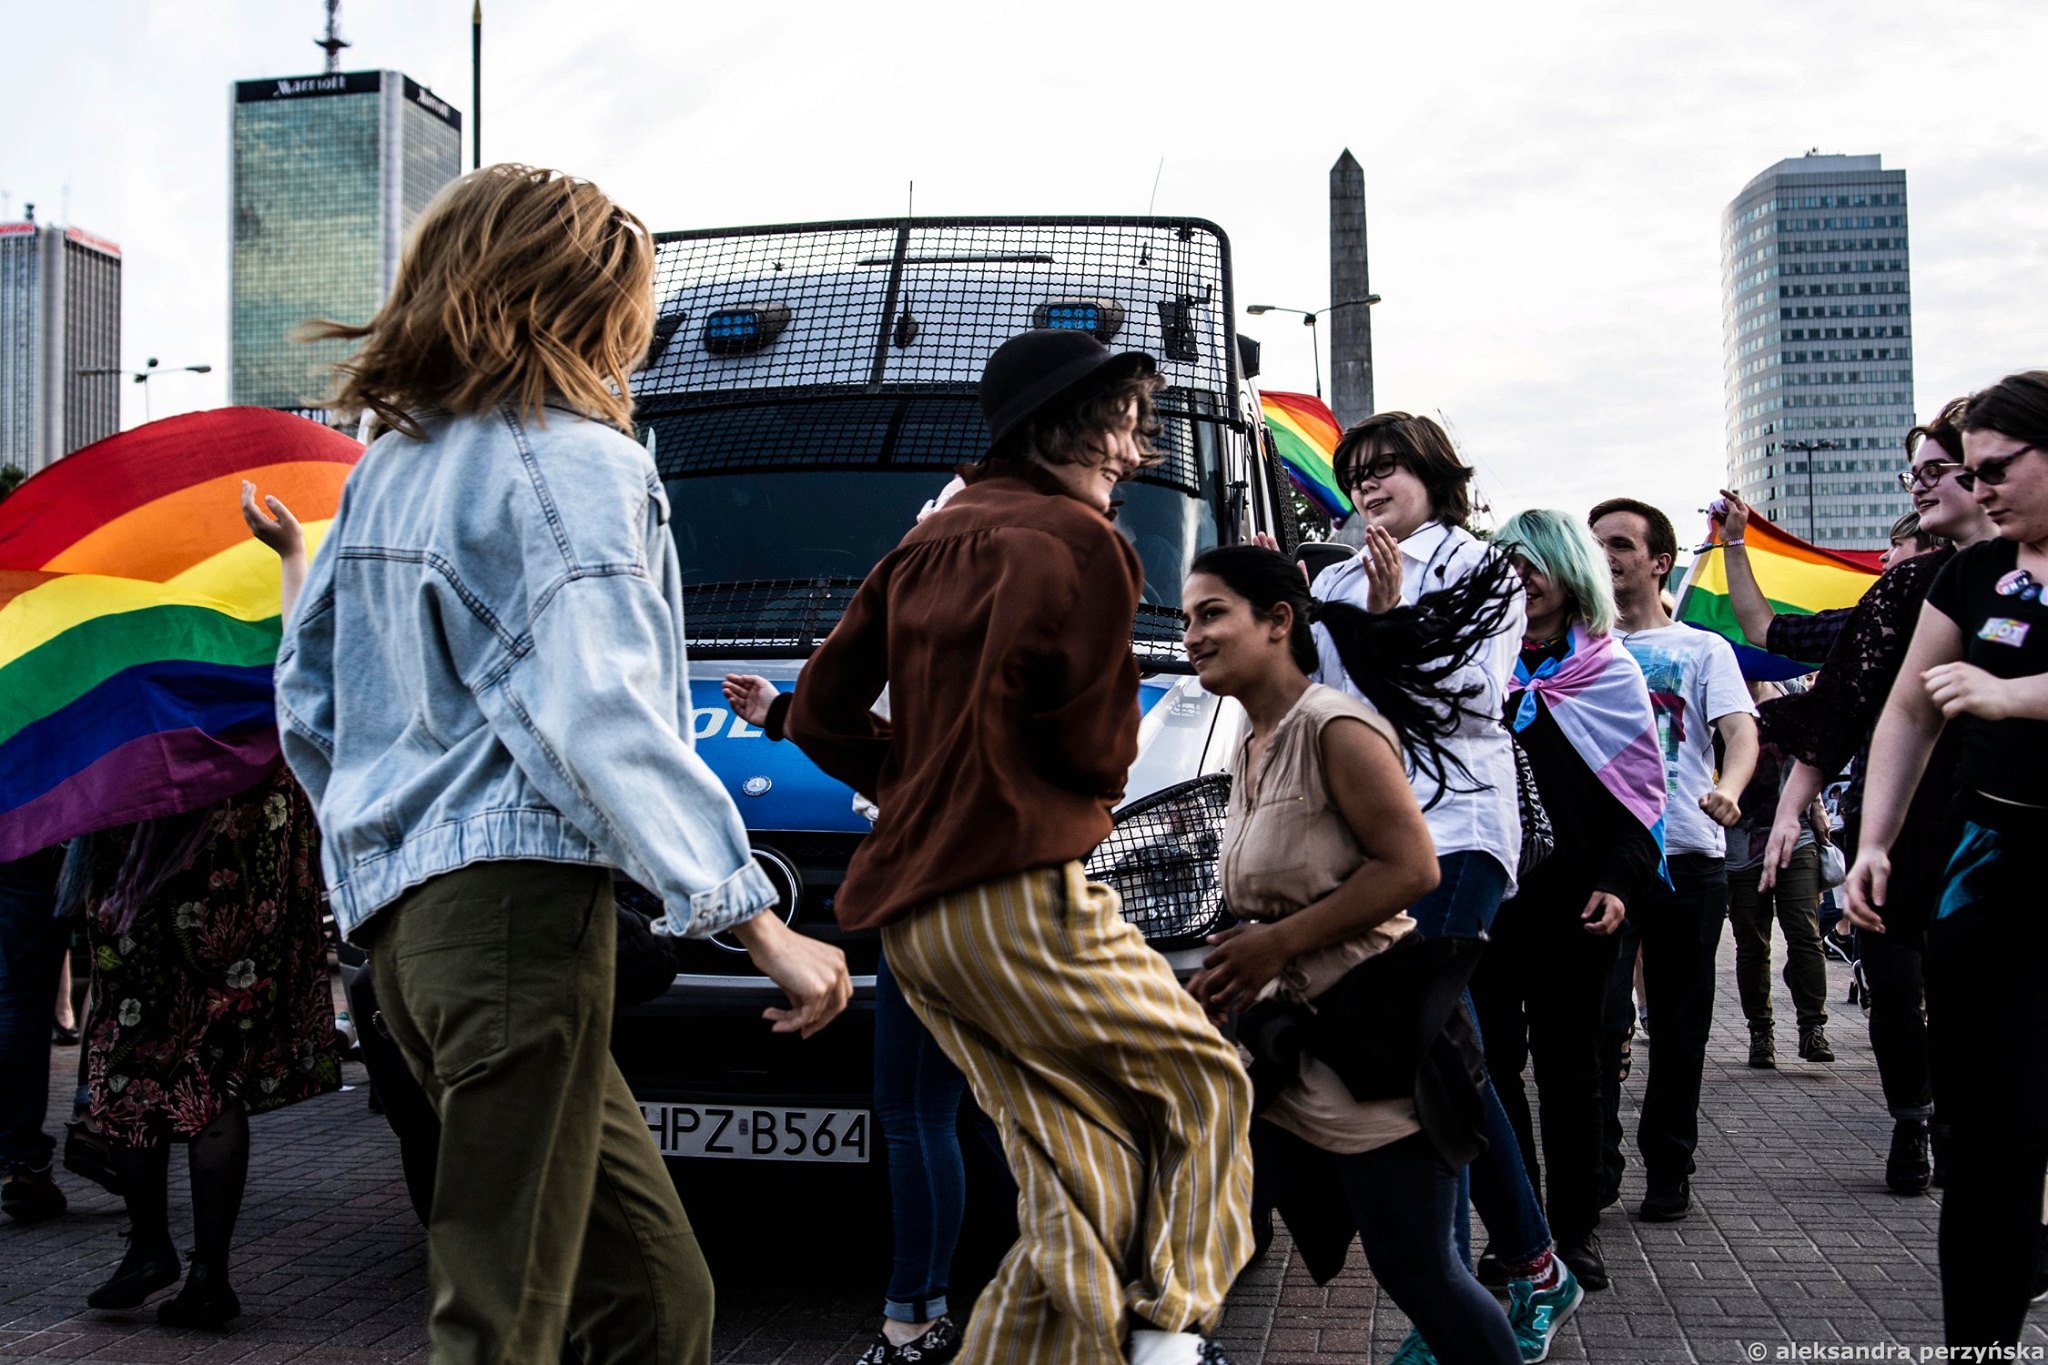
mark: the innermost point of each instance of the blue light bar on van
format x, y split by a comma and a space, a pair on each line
1104, 318
742, 331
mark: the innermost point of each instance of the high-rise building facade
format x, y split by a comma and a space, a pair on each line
60, 342
327, 174
1817, 342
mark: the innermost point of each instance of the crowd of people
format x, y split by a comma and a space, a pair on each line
1490, 811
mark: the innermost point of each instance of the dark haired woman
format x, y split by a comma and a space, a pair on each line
1581, 712
1325, 848
1001, 626
1413, 494
1829, 727
1979, 659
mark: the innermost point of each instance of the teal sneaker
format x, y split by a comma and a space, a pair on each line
1413, 1351
1536, 1314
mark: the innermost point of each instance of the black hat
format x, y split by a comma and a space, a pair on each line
1034, 370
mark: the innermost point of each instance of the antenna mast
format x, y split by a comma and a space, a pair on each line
333, 43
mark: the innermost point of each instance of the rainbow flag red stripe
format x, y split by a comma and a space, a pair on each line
1796, 578
1305, 433
139, 621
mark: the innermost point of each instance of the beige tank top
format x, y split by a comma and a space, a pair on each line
1285, 845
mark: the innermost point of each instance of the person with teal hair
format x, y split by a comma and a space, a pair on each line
1580, 711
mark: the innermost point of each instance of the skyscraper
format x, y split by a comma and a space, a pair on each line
60, 314
1817, 345
327, 173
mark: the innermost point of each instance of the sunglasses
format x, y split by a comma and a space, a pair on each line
1990, 473
1928, 475
1380, 469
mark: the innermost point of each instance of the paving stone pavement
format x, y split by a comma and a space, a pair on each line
1794, 1241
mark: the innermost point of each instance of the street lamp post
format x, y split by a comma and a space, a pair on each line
1808, 447
1308, 319
150, 369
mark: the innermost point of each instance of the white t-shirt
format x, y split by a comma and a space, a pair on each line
1694, 681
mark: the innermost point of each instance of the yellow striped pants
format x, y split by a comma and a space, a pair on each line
1122, 1110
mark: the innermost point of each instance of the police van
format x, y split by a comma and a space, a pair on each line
810, 388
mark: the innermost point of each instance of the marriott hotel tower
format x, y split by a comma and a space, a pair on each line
327, 173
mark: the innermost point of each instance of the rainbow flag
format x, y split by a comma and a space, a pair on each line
1305, 433
139, 620
1796, 578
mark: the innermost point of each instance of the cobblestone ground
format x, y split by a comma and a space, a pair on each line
1794, 1241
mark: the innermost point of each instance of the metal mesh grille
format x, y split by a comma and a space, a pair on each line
783, 618
872, 431
1161, 858
885, 305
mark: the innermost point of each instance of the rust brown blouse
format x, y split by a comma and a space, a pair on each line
1002, 628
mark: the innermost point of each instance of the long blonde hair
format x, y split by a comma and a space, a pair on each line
518, 284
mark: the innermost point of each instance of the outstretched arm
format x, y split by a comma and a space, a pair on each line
1752, 610
280, 530
1898, 759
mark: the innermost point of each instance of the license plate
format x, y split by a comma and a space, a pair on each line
742, 1133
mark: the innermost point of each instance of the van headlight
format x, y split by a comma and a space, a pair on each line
1160, 857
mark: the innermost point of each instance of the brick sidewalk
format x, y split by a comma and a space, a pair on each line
1794, 1240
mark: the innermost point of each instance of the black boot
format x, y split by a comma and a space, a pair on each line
1910, 1168
207, 1302
1763, 1049
145, 1269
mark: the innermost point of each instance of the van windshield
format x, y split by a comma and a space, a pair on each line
779, 509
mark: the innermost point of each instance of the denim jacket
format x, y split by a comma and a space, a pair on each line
487, 663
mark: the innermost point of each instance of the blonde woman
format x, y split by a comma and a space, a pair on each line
482, 689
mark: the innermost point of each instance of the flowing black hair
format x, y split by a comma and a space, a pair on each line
1400, 660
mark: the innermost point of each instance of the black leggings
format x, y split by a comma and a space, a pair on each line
1987, 952
1401, 1198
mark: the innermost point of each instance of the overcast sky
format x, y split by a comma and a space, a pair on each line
1544, 182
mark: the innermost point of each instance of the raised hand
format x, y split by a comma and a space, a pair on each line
1382, 557
749, 696
278, 529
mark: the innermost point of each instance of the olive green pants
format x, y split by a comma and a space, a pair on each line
553, 1213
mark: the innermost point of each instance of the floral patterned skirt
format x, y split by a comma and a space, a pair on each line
218, 992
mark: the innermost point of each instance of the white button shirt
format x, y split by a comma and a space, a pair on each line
1488, 820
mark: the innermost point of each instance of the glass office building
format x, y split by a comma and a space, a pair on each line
60, 318
328, 173
1817, 343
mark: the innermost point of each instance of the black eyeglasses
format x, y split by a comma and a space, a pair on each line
1378, 470
1991, 473
1929, 474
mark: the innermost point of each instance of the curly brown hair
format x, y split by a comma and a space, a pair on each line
1064, 433
518, 284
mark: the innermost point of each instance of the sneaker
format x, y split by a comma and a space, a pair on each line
939, 1342
1582, 1254
1910, 1167
1813, 1045
29, 1195
1490, 1272
1413, 1351
1536, 1314
1763, 1049
1667, 1203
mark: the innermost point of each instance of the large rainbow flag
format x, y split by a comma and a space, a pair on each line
1305, 433
139, 620
1796, 578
